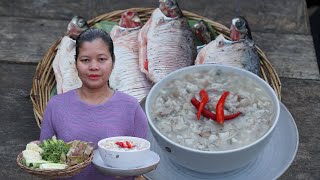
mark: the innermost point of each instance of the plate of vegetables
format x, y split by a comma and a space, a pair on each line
54, 158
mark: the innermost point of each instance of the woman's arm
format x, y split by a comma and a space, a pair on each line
140, 123
47, 130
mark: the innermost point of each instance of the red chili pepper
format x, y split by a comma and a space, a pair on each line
220, 107
129, 145
208, 114
121, 144
232, 116
205, 112
204, 100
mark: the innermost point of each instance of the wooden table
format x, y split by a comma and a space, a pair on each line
280, 29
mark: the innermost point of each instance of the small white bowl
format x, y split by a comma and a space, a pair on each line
123, 157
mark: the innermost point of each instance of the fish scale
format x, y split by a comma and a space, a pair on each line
126, 75
64, 66
169, 44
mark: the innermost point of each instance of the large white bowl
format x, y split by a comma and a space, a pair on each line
123, 159
211, 161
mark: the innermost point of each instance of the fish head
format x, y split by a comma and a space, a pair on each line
202, 32
130, 19
80, 22
240, 29
76, 26
170, 8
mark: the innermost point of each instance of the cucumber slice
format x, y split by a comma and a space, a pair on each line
52, 166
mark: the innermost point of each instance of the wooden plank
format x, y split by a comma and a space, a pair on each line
18, 125
301, 97
26, 40
283, 16
112, 5
50, 9
291, 55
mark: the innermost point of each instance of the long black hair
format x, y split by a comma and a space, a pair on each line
92, 34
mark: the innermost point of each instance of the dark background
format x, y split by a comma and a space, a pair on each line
314, 17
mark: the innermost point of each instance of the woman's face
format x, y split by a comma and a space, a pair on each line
94, 64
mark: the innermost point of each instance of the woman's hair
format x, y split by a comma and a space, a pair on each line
92, 34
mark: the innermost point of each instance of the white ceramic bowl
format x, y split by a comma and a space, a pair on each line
124, 158
211, 161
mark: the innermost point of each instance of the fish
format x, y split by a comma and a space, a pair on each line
76, 26
166, 42
63, 64
64, 67
126, 75
239, 52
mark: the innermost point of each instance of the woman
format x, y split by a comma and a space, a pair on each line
94, 111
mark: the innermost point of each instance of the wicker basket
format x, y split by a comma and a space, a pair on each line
44, 79
54, 174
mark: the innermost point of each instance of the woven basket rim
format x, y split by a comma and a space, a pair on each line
44, 80
67, 172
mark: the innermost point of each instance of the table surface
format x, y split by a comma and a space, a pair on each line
280, 29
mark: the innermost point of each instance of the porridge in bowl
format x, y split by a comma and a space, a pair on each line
205, 145
123, 144
175, 116
124, 151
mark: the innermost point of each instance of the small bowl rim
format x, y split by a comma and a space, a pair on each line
124, 137
239, 71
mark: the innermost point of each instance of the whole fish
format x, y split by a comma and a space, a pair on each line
63, 64
239, 52
126, 75
165, 42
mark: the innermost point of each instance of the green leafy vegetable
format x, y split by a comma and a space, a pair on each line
54, 150
105, 25
212, 31
54, 91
